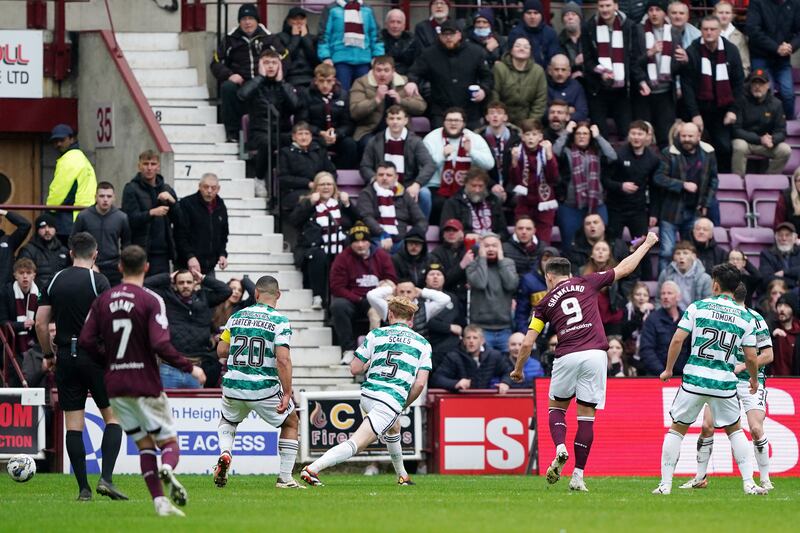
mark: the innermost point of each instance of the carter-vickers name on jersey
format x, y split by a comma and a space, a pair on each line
562, 291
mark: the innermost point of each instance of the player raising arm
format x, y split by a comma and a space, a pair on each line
397, 360
259, 378
579, 368
131, 323
719, 328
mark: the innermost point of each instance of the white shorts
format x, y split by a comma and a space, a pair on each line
580, 374
234, 411
749, 401
379, 415
687, 406
141, 416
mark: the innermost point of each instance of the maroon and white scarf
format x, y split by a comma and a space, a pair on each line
538, 190
394, 152
611, 50
714, 75
659, 71
353, 23
328, 216
481, 215
26, 305
497, 144
586, 181
455, 169
387, 216
327, 109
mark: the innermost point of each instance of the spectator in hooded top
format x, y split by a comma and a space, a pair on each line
788, 207
325, 107
426, 32
236, 61
561, 86
709, 252
520, 83
687, 271
10, 243
350, 40
452, 65
301, 47
152, 209
783, 259
45, 250
202, 236
110, 228
411, 261
543, 38
484, 33
398, 43
570, 37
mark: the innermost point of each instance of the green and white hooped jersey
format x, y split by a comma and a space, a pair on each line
395, 353
763, 340
253, 334
719, 329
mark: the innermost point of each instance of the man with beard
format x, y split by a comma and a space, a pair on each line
558, 117
454, 150
45, 250
570, 37
784, 336
478, 210
783, 259
426, 32
561, 86
687, 182
452, 66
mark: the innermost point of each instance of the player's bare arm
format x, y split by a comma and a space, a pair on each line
626, 267
284, 359
751, 362
674, 351
222, 350
358, 367
765, 357
417, 387
524, 353
42, 325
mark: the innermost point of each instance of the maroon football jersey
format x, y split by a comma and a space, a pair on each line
126, 327
571, 309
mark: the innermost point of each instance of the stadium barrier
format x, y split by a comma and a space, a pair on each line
22, 425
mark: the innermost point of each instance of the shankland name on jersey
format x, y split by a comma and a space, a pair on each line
395, 354
553, 299
254, 334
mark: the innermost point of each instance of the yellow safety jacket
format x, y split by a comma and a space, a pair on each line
74, 181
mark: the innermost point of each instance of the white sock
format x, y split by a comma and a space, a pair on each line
670, 453
396, 453
338, 454
704, 448
761, 448
226, 433
287, 449
741, 452
577, 472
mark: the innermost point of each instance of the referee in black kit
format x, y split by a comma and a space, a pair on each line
67, 301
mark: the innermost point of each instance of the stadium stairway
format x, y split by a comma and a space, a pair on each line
189, 121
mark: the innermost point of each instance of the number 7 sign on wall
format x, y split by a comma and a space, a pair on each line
104, 125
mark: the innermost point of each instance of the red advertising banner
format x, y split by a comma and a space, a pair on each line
486, 434
628, 433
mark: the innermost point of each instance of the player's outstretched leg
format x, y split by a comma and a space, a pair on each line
670, 453
149, 465
582, 447
339, 454
558, 432
170, 455
226, 433
287, 449
392, 439
705, 446
112, 440
741, 453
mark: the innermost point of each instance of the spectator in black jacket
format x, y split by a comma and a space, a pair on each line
760, 126
265, 95
522, 247
397, 42
484, 33
10, 243
629, 185
236, 60
152, 209
478, 210
19, 301
657, 333
570, 37
190, 300
782, 261
751, 277
110, 228
473, 366
444, 329
301, 47
592, 232
453, 257
45, 250
202, 235
325, 107
411, 261
299, 163
426, 32
709, 252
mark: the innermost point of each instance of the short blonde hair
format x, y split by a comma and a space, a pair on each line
402, 307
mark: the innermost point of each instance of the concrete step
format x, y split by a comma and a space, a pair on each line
158, 59
176, 93
206, 133
296, 299
249, 203
287, 279
311, 337
256, 244
307, 383
148, 41
304, 316
174, 77
216, 148
319, 356
251, 225
206, 158
225, 170
167, 115
260, 260
338, 371
180, 102
241, 188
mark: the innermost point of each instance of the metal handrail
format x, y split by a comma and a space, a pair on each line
40, 207
9, 356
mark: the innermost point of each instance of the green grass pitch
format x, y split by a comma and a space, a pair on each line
352, 503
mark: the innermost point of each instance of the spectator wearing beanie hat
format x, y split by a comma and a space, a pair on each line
45, 250
570, 37
426, 32
543, 38
484, 33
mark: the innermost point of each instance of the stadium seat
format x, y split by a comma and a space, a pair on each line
652, 287
420, 125
555, 236
794, 161
763, 191
752, 240
793, 128
721, 236
349, 181
432, 238
734, 207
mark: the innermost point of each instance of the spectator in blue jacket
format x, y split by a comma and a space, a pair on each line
532, 288
350, 40
657, 333
543, 38
562, 86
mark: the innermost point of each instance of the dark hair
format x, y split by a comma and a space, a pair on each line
269, 52
685, 245
727, 276
740, 294
559, 102
386, 164
302, 125
640, 125
497, 105
476, 173
710, 18
149, 155
383, 60
524, 217
82, 245
133, 258
455, 110
268, 285
396, 109
558, 266
181, 272
105, 185
531, 124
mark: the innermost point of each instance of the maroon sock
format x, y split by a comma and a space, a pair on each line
170, 454
149, 463
558, 425
583, 441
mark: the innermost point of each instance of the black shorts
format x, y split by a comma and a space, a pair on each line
76, 377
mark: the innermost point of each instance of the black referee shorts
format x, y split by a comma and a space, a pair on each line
76, 377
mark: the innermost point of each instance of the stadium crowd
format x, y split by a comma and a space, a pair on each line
540, 145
